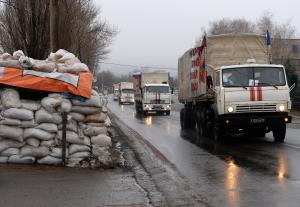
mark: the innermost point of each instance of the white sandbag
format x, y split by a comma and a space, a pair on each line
93, 101
92, 124
30, 105
56, 95
51, 104
86, 110
49, 160
75, 68
71, 126
79, 155
10, 132
77, 116
21, 114
101, 140
16, 159
66, 105
42, 116
73, 138
103, 155
108, 122
10, 122
49, 127
67, 56
28, 124
44, 66
26, 62
94, 131
60, 53
57, 152
10, 64
31, 151
10, 151
49, 143
38, 133
10, 98
17, 54
33, 142
74, 162
6, 143
73, 148
3, 159
104, 109
97, 117
6, 56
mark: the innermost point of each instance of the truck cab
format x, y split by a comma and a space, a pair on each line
126, 95
253, 99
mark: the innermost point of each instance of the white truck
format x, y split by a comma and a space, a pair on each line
152, 93
116, 92
126, 93
240, 92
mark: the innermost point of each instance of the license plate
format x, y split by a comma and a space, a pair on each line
257, 120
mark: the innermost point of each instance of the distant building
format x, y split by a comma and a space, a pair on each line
288, 49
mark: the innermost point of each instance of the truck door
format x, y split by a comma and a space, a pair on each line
218, 97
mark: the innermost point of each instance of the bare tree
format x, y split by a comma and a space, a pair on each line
227, 25
25, 25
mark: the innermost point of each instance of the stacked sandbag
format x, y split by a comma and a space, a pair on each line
61, 61
15, 114
31, 131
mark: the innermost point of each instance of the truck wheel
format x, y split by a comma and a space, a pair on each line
279, 133
145, 113
217, 133
168, 113
182, 118
200, 119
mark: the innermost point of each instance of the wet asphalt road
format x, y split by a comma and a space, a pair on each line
240, 171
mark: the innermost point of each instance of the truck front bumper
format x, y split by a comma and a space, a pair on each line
157, 107
249, 120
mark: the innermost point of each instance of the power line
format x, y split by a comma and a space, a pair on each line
138, 66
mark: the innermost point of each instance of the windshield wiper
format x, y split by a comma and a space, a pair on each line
268, 84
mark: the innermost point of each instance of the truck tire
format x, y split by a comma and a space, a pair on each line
217, 133
145, 113
168, 113
186, 120
200, 119
279, 133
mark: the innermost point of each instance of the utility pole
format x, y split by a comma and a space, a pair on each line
53, 25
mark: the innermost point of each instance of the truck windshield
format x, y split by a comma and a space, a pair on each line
125, 90
254, 76
157, 89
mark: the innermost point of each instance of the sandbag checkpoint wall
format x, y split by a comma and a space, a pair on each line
31, 131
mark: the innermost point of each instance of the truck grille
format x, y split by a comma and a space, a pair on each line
256, 108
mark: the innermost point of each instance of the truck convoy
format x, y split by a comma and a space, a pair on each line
229, 87
116, 92
126, 92
152, 92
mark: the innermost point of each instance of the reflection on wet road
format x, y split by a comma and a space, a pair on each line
239, 171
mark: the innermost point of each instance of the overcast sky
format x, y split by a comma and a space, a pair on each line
157, 32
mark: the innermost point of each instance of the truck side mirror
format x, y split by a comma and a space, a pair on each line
172, 90
209, 81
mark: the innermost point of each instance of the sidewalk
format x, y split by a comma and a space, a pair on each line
47, 186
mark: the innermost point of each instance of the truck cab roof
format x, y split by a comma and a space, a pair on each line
251, 65
156, 84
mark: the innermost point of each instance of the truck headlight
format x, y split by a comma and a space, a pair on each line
281, 108
230, 109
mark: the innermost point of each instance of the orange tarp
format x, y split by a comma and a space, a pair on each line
80, 85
